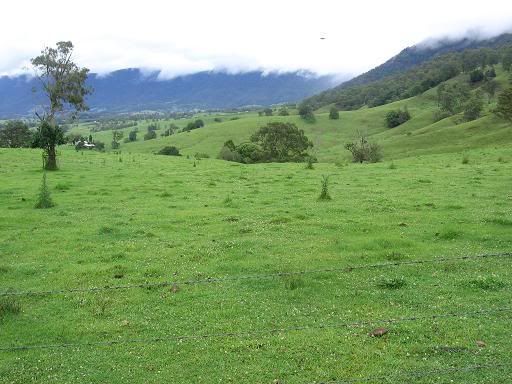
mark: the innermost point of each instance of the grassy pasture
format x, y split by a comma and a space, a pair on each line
420, 135
138, 218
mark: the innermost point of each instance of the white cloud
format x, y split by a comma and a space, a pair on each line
187, 36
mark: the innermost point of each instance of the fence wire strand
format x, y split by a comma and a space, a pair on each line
178, 338
272, 275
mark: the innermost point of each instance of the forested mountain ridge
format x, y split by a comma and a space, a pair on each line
415, 70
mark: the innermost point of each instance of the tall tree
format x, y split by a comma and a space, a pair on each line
504, 108
63, 84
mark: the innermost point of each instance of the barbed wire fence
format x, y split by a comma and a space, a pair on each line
265, 276
259, 332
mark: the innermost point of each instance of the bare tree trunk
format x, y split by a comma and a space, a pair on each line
51, 159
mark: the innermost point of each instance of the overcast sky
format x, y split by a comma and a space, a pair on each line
188, 36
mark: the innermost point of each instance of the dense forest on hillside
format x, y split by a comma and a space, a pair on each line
389, 82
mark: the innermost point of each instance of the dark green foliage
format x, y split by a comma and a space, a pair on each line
282, 142
251, 153
309, 162
152, 127
169, 151
275, 142
334, 113
150, 135
132, 136
116, 137
506, 59
306, 112
99, 145
48, 136
364, 151
229, 153
44, 199
412, 72
397, 117
489, 87
15, 134
193, 125
200, 155
217, 120
490, 73
283, 111
267, 111
504, 108
476, 76
452, 97
324, 192
473, 108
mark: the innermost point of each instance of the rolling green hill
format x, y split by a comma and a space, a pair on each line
420, 135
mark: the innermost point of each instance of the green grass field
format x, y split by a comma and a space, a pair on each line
137, 218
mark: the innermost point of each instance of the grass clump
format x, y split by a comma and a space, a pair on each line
324, 193
293, 282
486, 283
9, 305
391, 283
44, 199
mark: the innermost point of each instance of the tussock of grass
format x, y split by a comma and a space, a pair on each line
9, 306
486, 283
391, 283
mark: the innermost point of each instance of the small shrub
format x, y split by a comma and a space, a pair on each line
99, 146
392, 166
200, 156
309, 163
169, 151
364, 151
44, 199
9, 305
218, 120
283, 111
150, 135
324, 193
465, 159
334, 113
396, 118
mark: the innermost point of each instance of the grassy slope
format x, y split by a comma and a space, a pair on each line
419, 135
148, 219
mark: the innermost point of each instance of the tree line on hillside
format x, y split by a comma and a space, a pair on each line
475, 62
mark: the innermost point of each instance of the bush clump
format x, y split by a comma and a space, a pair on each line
397, 117
275, 142
169, 151
364, 151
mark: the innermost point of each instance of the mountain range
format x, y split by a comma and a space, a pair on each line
131, 90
